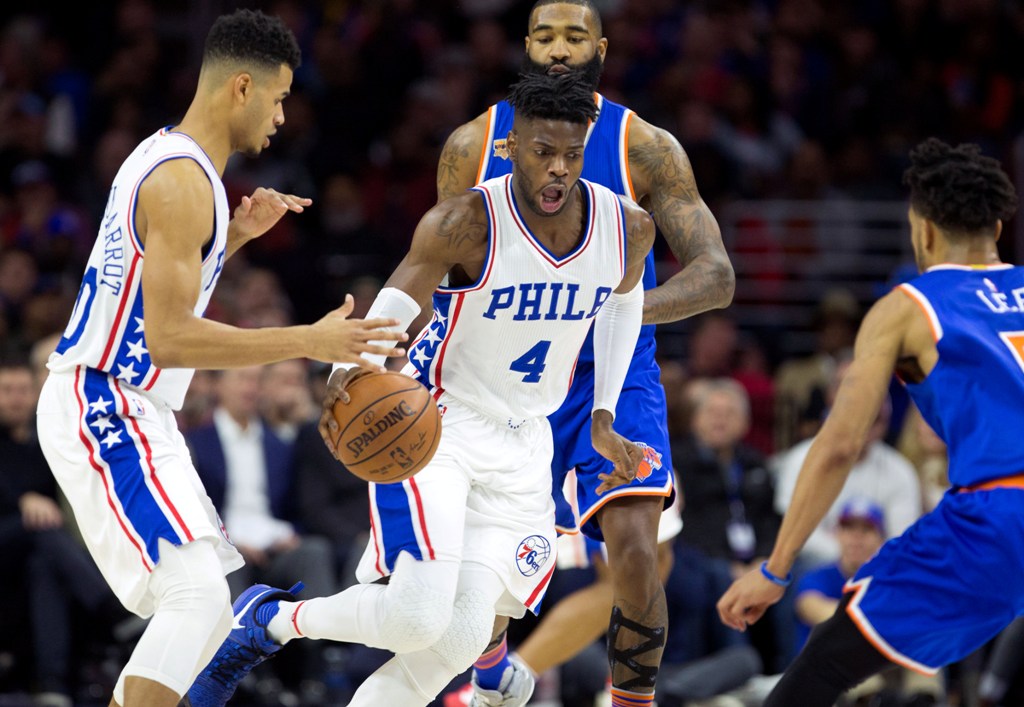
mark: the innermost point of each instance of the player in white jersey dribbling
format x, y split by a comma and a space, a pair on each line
105, 414
526, 265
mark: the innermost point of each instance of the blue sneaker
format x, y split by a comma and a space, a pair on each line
246, 646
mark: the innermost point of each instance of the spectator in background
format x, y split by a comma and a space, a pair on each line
729, 519
861, 531
801, 384
58, 575
881, 474
247, 472
927, 452
286, 400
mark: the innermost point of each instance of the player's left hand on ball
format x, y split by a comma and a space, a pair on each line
620, 451
335, 393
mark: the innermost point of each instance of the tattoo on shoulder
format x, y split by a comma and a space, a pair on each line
664, 167
463, 228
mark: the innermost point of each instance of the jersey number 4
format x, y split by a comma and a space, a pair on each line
1015, 340
532, 362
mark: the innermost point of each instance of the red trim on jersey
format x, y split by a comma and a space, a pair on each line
152, 469
539, 589
152, 381
533, 241
620, 224
120, 312
373, 534
295, 617
423, 519
103, 476
447, 338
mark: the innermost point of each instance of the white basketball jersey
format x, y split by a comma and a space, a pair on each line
507, 345
107, 327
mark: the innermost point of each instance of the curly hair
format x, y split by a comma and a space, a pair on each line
564, 97
251, 37
957, 188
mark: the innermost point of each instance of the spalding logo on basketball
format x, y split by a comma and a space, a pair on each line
390, 428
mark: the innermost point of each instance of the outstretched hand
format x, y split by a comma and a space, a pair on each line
258, 213
338, 339
747, 599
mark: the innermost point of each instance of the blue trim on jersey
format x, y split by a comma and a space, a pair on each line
127, 468
170, 130
207, 248
396, 522
485, 270
622, 228
584, 237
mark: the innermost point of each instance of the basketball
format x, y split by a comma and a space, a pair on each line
390, 428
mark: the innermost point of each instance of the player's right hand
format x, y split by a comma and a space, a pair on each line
620, 451
338, 339
335, 392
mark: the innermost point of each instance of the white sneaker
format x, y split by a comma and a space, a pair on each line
515, 688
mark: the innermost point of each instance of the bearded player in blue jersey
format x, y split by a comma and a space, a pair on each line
647, 164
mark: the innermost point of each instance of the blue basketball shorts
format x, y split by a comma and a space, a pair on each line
639, 416
949, 584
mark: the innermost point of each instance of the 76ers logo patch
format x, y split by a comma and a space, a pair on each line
532, 553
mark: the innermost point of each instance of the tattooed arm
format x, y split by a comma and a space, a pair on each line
664, 183
451, 239
460, 158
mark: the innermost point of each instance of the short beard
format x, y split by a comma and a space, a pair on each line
590, 72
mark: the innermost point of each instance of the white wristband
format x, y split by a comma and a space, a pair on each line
616, 330
391, 303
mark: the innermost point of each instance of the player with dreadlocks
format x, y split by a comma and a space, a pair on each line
955, 337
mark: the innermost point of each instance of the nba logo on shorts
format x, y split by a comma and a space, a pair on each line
532, 553
650, 462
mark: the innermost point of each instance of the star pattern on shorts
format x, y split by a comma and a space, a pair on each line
112, 438
127, 373
99, 405
137, 350
103, 423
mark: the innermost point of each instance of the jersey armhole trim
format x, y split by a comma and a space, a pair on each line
481, 168
133, 204
926, 307
627, 177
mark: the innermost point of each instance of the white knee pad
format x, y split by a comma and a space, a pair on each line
469, 631
192, 618
418, 604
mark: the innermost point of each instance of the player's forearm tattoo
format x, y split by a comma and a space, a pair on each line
706, 280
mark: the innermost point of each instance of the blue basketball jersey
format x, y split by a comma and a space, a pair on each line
605, 162
972, 398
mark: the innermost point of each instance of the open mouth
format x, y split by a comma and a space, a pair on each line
552, 198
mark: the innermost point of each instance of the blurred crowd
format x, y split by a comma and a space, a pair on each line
789, 99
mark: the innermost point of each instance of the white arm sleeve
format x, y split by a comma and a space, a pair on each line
615, 333
391, 303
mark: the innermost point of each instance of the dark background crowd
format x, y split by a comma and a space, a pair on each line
790, 102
